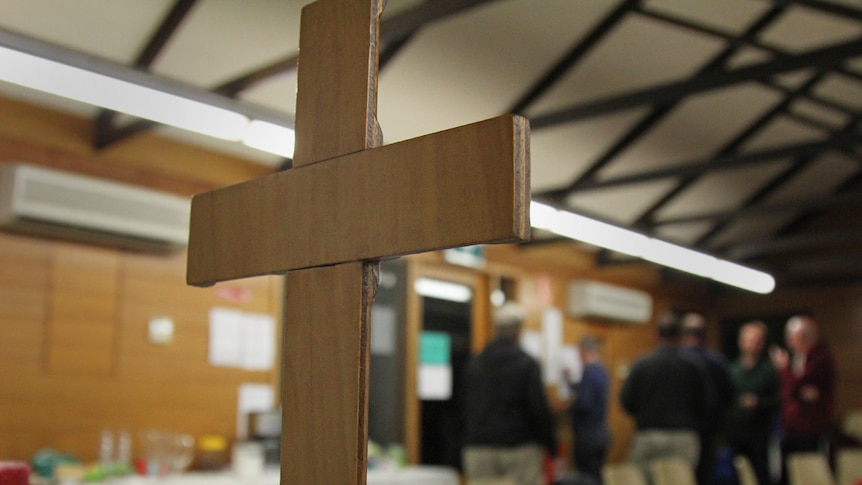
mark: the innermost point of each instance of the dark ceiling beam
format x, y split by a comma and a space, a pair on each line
763, 247
824, 266
581, 48
406, 22
103, 131
734, 147
824, 58
849, 186
833, 8
814, 204
659, 112
395, 30
241, 83
818, 282
702, 166
736, 42
788, 174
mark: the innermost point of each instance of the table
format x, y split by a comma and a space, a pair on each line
413, 475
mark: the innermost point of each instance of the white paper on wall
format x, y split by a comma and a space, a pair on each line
435, 382
552, 339
252, 397
570, 361
241, 339
383, 328
258, 341
224, 337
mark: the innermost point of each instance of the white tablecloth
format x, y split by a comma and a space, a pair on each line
420, 475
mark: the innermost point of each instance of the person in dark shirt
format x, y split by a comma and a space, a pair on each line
667, 394
509, 425
589, 410
751, 418
693, 345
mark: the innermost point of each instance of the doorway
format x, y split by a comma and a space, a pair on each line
442, 421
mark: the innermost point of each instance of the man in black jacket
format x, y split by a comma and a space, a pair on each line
508, 420
668, 394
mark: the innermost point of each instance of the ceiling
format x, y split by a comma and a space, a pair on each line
732, 127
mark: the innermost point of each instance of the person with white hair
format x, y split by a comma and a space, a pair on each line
807, 376
509, 424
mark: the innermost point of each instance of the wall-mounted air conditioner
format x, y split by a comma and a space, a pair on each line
592, 299
50, 203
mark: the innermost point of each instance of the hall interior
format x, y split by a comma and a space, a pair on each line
76, 348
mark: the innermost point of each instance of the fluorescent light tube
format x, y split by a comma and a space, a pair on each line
116, 94
746, 278
270, 137
678, 257
443, 290
63, 72
615, 238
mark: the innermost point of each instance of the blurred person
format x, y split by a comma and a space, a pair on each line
752, 416
807, 375
668, 394
693, 344
509, 425
589, 410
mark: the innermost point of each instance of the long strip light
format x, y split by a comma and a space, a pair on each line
609, 236
443, 290
53, 69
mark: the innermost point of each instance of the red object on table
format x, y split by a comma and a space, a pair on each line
14, 473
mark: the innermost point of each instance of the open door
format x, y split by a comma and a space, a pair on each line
447, 323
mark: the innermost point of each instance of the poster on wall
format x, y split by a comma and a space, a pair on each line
552, 343
434, 378
241, 339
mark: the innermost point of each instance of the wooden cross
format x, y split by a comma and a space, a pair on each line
346, 203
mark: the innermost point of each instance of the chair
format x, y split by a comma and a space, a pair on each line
623, 474
848, 466
672, 471
809, 469
744, 470
851, 425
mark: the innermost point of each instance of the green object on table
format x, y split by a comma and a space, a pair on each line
46, 460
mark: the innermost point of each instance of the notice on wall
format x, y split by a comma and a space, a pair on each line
434, 379
241, 339
383, 330
570, 359
552, 340
252, 397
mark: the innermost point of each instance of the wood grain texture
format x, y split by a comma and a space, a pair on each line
462, 186
324, 425
82, 307
327, 310
337, 79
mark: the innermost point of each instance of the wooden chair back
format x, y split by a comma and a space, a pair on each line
623, 474
672, 471
745, 471
809, 469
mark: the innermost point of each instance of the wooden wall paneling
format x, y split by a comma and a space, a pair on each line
82, 310
23, 280
50, 292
